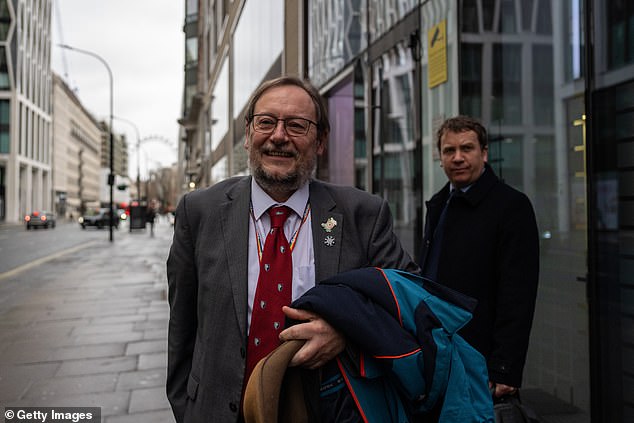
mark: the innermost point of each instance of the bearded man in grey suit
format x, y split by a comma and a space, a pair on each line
213, 265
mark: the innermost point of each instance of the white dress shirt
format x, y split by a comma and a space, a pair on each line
303, 254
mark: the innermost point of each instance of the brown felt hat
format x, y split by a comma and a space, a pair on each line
274, 392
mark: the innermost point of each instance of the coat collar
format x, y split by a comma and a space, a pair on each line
481, 187
235, 231
474, 195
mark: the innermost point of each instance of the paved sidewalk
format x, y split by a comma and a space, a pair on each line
92, 332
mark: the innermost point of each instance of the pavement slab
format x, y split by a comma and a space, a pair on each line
89, 351
142, 379
135, 348
153, 361
151, 399
97, 365
64, 387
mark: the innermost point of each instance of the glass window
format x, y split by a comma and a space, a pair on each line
192, 7
360, 135
384, 14
506, 100
545, 179
488, 12
191, 50
537, 144
506, 158
5, 119
527, 14
220, 107
508, 23
544, 17
471, 79
239, 159
220, 171
543, 86
470, 20
394, 171
4, 70
5, 20
613, 160
4, 142
257, 45
337, 33
574, 39
620, 32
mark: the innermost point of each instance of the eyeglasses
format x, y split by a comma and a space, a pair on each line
294, 126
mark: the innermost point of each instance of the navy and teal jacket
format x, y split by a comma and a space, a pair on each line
406, 358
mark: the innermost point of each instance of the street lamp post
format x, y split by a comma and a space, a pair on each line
111, 174
138, 166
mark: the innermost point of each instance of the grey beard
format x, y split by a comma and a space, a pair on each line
288, 183
280, 185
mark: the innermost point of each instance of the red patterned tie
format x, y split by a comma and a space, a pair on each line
272, 292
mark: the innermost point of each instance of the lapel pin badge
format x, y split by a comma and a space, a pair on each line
329, 225
329, 241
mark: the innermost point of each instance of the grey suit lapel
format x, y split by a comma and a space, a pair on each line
327, 245
235, 231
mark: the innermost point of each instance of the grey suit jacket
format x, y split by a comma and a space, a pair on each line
207, 276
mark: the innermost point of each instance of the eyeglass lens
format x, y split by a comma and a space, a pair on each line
293, 126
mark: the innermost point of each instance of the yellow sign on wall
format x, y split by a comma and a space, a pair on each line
437, 51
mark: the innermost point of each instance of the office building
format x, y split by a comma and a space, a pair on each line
25, 108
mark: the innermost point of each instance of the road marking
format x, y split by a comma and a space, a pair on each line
42, 260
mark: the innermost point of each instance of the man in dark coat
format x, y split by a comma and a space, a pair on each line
487, 248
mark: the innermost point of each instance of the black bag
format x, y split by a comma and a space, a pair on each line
509, 409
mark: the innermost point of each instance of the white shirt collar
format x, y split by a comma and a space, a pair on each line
262, 201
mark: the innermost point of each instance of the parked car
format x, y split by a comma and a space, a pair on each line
40, 219
98, 218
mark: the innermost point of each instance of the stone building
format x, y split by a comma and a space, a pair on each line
77, 138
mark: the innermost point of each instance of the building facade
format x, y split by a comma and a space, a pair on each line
77, 138
552, 80
25, 108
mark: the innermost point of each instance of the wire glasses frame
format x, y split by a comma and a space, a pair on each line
294, 126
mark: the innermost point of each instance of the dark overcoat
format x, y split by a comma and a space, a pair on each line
490, 251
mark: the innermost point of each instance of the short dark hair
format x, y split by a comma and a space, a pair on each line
463, 123
323, 125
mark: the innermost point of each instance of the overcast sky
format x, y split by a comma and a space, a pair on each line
143, 43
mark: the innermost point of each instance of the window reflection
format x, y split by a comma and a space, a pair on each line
507, 83
393, 145
337, 33
257, 46
620, 32
517, 86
